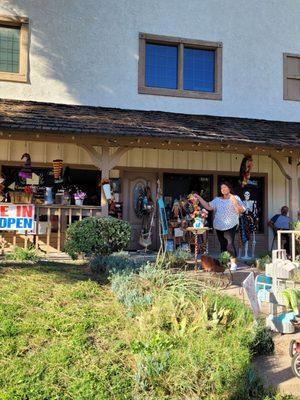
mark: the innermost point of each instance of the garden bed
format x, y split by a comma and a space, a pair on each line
63, 335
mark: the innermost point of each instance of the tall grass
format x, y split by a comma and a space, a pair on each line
189, 341
22, 254
63, 336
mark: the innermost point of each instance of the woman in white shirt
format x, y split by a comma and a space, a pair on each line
227, 208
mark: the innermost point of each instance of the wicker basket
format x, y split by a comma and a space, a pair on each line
20, 197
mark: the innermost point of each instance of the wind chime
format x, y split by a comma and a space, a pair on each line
57, 170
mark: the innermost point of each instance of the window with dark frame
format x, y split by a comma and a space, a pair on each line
13, 48
180, 67
161, 66
9, 49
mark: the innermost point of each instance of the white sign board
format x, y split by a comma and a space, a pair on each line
14, 217
249, 288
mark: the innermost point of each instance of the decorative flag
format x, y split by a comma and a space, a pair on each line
245, 169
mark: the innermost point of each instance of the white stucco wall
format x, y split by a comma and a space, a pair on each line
86, 52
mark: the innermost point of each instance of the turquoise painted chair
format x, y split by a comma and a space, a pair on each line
263, 285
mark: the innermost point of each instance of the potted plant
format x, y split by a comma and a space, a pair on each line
224, 259
79, 196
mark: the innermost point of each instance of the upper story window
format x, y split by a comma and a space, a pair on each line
180, 67
291, 76
13, 48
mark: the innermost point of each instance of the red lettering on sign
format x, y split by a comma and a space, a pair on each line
26, 211
4, 211
19, 209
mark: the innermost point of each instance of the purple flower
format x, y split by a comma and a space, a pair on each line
79, 195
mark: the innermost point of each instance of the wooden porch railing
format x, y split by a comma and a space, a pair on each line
52, 222
294, 235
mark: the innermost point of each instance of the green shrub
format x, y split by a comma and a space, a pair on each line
262, 343
136, 288
92, 236
281, 397
130, 292
174, 317
212, 345
177, 259
216, 304
261, 262
22, 254
114, 263
296, 227
296, 276
224, 259
177, 323
291, 299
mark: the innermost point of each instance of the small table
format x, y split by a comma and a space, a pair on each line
196, 232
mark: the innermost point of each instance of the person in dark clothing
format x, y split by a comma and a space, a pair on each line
282, 222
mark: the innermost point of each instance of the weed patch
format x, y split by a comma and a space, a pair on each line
22, 254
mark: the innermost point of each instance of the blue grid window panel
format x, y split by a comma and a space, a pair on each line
161, 66
199, 70
9, 49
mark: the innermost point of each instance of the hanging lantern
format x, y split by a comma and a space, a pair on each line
57, 170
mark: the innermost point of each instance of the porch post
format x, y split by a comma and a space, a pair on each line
104, 175
294, 190
289, 168
105, 163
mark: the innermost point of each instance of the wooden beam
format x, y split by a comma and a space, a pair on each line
289, 168
283, 165
116, 156
95, 156
105, 163
294, 190
104, 175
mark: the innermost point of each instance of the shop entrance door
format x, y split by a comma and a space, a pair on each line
132, 182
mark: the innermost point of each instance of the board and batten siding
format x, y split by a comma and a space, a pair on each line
44, 153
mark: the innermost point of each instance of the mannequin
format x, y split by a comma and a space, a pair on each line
248, 225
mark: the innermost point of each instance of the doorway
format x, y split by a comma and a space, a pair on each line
133, 183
